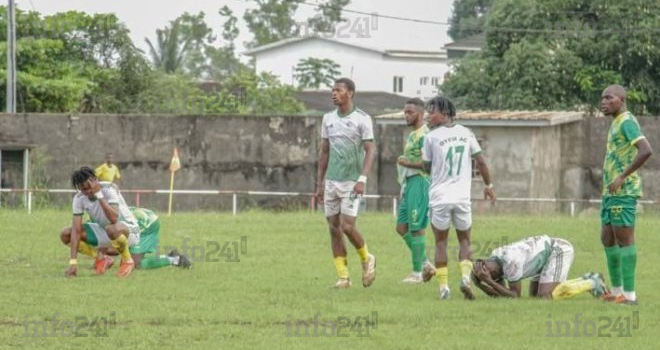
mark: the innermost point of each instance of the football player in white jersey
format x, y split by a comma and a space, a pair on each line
447, 155
545, 260
112, 224
347, 154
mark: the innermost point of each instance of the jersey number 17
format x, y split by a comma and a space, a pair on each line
451, 159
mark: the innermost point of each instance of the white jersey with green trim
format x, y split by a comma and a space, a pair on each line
450, 150
82, 203
345, 135
525, 258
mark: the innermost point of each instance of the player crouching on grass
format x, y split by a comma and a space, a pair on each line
545, 260
112, 225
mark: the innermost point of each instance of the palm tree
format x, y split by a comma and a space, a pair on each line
171, 48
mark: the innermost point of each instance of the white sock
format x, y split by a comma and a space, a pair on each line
417, 274
630, 295
174, 260
617, 290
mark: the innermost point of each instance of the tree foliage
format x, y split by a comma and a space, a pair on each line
314, 73
543, 54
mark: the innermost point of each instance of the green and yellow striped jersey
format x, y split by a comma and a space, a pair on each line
624, 133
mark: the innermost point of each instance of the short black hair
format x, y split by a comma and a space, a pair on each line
443, 105
350, 85
81, 175
416, 101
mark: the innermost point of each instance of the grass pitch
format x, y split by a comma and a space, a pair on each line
282, 284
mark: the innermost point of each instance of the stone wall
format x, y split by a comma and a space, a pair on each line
280, 153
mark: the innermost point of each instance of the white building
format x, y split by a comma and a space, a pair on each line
403, 72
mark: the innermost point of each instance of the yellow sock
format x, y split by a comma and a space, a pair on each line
442, 273
466, 268
363, 253
341, 264
572, 288
121, 245
87, 249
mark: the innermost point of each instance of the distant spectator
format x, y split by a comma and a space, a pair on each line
108, 171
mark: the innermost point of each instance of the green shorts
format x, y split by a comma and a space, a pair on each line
414, 206
618, 211
149, 224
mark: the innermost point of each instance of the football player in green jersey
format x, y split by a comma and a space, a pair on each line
627, 151
413, 217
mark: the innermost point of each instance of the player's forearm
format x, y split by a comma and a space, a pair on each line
501, 290
322, 168
488, 290
484, 171
74, 242
419, 165
643, 154
109, 211
369, 156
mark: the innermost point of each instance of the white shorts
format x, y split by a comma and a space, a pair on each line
559, 262
338, 198
103, 238
460, 215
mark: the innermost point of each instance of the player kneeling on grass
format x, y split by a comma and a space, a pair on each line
112, 225
149, 224
545, 260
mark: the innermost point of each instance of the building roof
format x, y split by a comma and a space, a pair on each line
470, 43
372, 102
441, 54
501, 118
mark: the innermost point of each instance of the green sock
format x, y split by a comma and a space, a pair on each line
418, 252
613, 255
408, 239
155, 262
628, 265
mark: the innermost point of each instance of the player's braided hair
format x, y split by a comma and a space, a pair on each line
443, 105
81, 175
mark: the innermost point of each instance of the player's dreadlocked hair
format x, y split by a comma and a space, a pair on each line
80, 176
443, 105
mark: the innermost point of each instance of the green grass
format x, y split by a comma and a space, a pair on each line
285, 276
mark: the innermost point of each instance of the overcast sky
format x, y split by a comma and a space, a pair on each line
143, 17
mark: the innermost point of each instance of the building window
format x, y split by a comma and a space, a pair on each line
476, 175
423, 81
397, 84
435, 81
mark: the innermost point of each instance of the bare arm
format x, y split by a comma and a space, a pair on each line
483, 168
76, 232
485, 174
644, 152
369, 156
370, 153
513, 291
487, 289
404, 162
110, 211
322, 168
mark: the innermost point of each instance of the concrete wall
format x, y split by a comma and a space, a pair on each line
279, 153
237, 153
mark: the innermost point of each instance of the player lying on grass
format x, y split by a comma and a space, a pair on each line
545, 260
112, 225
